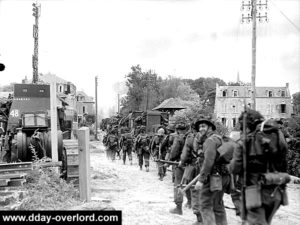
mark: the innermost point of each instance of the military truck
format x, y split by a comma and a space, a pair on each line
25, 126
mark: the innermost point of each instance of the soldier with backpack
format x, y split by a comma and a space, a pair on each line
213, 177
171, 135
176, 150
126, 142
159, 151
260, 160
112, 143
142, 148
192, 156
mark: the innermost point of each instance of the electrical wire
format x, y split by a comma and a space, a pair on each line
285, 16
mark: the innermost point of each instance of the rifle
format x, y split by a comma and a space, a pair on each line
243, 211
189, 184
184, 185
166, 161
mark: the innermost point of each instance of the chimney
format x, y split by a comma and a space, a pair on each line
287, 85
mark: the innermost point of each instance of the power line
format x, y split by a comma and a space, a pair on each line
285, 16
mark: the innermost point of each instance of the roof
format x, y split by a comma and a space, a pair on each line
86, 97
48, 78
170, 103
245, 91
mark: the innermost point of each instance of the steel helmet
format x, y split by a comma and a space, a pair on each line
206, 121
160, 132
181, 125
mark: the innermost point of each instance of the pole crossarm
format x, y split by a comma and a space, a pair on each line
254, 6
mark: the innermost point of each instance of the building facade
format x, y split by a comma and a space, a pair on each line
85, 105
271, 102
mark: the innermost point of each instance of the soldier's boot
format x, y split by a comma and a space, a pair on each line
199, 220
161, 177
123, 162
147, 168
176, 210
141, 167
131, 162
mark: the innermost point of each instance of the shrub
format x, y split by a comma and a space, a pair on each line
47, 191
291, 130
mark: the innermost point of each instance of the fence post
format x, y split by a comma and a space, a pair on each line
84, 164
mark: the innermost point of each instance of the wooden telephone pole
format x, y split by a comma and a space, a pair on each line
35, 57
253, 5
96, 105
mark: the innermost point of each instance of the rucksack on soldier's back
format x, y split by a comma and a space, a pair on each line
112, 141
225, 150
267, 149
128, 140
266, 139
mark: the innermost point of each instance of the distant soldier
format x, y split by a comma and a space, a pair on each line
112, 144
159, 151
142, 148
126, 143
264, 175
171, 135
104, 141
175, 153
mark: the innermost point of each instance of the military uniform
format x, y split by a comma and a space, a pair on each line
190, 156
175, 153
143, 151
211, 201
171, 139
272, 160
159, 152
112, 143
126, 143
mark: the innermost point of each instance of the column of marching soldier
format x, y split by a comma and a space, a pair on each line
205, 165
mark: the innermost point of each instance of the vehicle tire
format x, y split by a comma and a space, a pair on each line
21, 153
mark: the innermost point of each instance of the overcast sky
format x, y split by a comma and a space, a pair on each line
81, 39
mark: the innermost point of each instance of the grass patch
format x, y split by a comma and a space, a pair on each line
47, 191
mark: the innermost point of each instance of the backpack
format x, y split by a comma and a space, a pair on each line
112, 141
266, 148
127, 139
104, 141
143, 142
225, 150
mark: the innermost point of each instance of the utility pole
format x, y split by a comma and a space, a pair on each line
35, 57
253, 5
147, 94
96, 104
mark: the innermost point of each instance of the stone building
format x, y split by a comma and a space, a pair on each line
85, 105
271, 102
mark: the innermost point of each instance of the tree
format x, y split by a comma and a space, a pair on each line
296, 103
135, 86
206, 89
186, 93
169, 87
143, 90
240, 83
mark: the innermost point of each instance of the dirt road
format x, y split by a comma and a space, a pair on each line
145, 200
